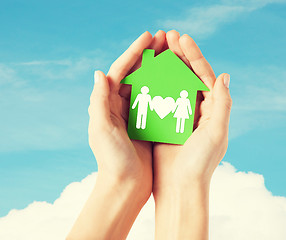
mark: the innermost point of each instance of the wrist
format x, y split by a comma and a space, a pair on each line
181, 190
128, 187
109, 211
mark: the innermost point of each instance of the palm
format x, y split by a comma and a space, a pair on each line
131, 156
171, 158
139, 152
192, 158
122, 156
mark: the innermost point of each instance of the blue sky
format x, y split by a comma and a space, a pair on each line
49, 50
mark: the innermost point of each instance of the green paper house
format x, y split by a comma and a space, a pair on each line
163, 99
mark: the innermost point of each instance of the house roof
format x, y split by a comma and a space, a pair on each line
164, 70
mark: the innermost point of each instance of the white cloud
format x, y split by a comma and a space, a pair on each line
35, 118
203, 21
42, 119
44, 103
258, 97
64, 62
254, 4
63, 69
7, 75
240, 208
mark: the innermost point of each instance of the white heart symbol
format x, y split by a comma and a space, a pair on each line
163, 106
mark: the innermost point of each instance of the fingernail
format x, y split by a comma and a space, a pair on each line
226, 80
96, 77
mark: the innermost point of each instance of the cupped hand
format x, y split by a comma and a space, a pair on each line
118, 157
196, 160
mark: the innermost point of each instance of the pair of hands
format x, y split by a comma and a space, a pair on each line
158, 167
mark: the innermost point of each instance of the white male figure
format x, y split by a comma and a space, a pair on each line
143, 99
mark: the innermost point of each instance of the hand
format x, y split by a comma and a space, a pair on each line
202, 152
182, 173
118, 157
124, 181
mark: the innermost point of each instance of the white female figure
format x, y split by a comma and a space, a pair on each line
183, 111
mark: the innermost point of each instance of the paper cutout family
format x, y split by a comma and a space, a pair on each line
181, 107
155, 86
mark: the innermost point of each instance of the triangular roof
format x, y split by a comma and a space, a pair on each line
168, 68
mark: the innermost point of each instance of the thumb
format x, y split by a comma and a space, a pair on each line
99, 109
222, 105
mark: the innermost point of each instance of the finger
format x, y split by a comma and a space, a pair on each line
123, 64
125, 109
99, 109
197, 61
125, 91
221, 106
174, 45
157, 44
165, 46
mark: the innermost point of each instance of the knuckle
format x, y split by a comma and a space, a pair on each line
228, 102
121, 72
91, 110
116, 71
114, 67
98, 134
223, 101
134, 52
92, 97
99, 96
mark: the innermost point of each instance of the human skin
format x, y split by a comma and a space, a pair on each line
182, 173
124, 181
125, 167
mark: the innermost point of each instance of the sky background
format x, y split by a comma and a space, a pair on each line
49, 51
